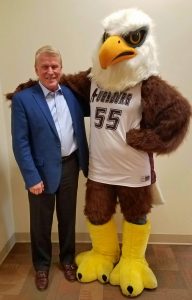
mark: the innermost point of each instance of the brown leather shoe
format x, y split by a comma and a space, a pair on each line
69, 271
41, 280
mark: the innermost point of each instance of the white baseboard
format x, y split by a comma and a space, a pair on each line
154, 238
7, 248
83, 237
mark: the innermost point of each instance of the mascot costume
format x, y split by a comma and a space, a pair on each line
134, 114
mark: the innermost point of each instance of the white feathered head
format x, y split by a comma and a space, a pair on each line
126, 54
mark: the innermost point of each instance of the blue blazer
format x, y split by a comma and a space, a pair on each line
36, 144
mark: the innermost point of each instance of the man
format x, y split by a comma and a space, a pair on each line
50, 146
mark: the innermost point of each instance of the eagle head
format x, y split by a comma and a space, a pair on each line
126, 53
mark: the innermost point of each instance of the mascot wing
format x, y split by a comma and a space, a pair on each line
166, 118
79, 83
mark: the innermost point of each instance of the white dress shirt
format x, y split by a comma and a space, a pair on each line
62, 119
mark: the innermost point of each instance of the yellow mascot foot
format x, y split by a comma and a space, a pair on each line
133, 276
98, 263
93, 266
132, 272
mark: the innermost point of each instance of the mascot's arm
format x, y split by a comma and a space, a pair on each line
166, 118
21, 87
79, 83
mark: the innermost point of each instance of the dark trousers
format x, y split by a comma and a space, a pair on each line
41, 217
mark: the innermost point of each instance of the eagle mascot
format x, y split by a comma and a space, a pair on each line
133, 115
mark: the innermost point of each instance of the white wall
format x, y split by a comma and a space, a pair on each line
74, 27
7, 229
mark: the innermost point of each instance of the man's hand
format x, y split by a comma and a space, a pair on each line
37, 189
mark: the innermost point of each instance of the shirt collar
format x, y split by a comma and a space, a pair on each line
46, 91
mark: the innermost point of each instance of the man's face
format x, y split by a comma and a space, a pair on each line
48, 68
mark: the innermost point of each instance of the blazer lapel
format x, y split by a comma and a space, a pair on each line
42, 103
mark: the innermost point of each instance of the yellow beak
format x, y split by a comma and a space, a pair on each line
114, 50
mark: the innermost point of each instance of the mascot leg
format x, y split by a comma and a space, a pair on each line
132, 272
99, 261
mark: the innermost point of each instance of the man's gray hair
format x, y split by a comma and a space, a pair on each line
49, 50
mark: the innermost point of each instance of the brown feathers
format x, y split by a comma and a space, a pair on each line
166, 117
101, 201
21, 87
79, 83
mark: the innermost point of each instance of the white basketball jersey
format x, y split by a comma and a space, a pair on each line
112, 161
